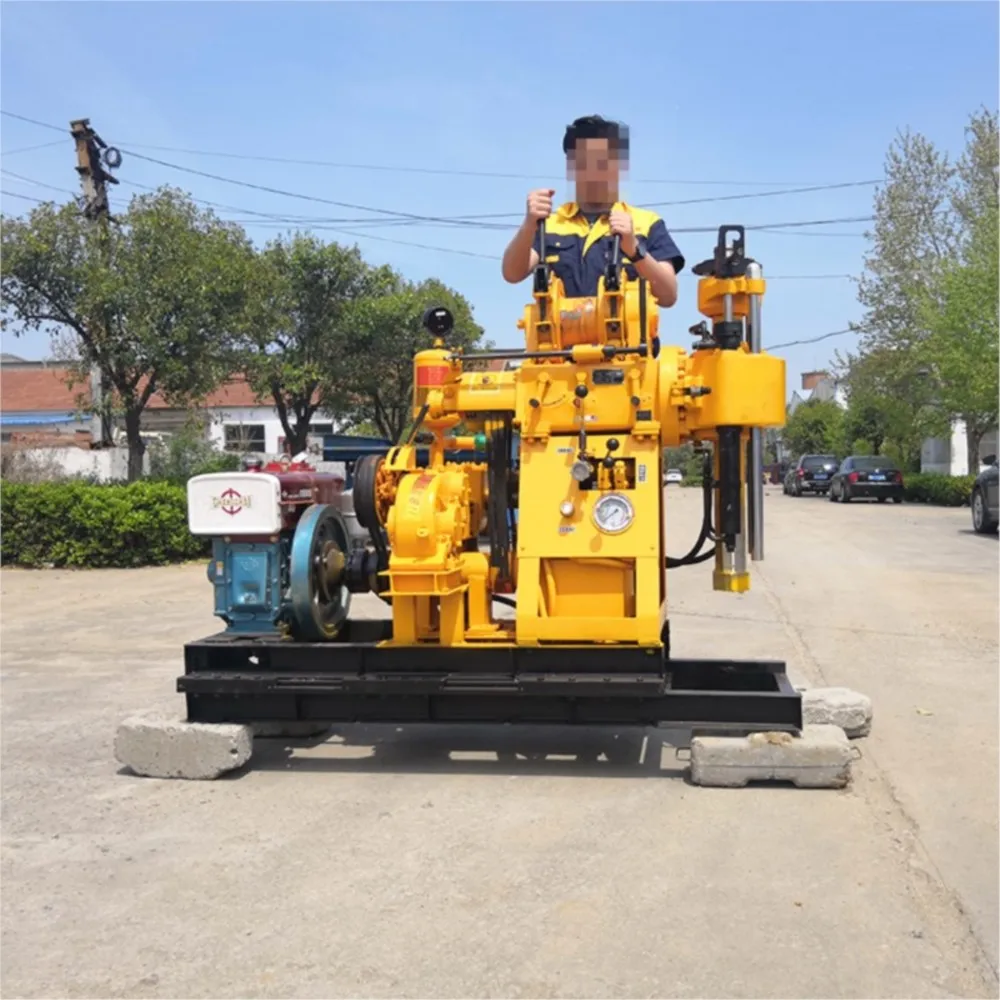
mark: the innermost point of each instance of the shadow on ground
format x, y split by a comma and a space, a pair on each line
488, 749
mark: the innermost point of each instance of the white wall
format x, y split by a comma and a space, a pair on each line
108, 463
254, 415
949, 456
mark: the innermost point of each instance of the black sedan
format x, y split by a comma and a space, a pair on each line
811, 474
867, 477
984, 501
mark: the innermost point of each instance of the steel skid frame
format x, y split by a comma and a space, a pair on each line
243, 679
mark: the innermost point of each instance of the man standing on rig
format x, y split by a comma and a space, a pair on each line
580, 233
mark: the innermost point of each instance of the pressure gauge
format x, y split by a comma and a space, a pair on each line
613, 513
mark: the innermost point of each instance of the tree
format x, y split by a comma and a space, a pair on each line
914, 233
815, 428
388, 331
886, 410
301, 344
866, 421
154, 299
962, 349
930, 290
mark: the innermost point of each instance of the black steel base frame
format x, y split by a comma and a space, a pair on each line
233, 678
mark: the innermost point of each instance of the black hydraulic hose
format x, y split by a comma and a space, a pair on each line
695, 556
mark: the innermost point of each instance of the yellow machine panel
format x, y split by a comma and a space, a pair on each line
570, 485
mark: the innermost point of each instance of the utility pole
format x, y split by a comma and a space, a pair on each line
93, 176
91, 150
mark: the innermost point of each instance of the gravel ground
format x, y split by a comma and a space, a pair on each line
377, 865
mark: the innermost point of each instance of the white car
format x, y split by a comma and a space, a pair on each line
673, 476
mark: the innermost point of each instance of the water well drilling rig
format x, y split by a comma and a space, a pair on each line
560, 457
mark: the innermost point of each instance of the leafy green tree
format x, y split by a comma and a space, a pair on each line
962, 349
887, 408
866, 421
815, 427
300, 344
154, 300
928, 337
388, 330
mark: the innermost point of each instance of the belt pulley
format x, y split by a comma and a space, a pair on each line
365, 569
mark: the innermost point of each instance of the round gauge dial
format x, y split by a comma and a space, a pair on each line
613, 513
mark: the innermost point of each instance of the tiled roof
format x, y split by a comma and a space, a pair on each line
44, 389
40, 389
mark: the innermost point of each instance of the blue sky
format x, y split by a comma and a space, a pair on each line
722, 99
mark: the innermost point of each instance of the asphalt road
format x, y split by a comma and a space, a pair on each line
377, 865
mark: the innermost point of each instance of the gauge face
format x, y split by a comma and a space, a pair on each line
613, 513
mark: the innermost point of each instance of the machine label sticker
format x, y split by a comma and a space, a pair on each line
565, 529
485, 384
231, 501
432, 375
417, 493
642, 472
564, 451
577, 312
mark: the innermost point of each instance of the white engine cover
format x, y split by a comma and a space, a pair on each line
234, 503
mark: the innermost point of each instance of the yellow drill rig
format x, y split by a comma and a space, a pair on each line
559, 456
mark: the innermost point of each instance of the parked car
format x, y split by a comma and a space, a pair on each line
867, 476
984, 500
673, 476
810, 474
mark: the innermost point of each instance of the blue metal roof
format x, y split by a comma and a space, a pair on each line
41, 417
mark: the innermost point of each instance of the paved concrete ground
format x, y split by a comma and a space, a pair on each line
394, 871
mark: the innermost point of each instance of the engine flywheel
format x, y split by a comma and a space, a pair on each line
320, 598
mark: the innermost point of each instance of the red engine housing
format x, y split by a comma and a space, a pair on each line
301, 486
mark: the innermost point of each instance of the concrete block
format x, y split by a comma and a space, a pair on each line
837, 706
164, 747
290, 730
819, 758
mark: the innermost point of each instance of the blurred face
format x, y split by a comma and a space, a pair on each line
595, 167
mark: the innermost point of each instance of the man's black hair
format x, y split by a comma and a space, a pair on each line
596, 127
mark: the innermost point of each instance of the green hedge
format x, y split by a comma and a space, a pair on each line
92, 525
931, 487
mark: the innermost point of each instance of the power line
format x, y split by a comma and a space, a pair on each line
452, 250
478, 216
29, 149
34, 121
801, 232
26, 197
466, 220
275, 218
303, 197
340, 165
31, 180
763, 194
810, 340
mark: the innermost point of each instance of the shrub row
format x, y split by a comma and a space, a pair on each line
145, 524
931, 487
91, 525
